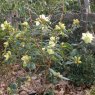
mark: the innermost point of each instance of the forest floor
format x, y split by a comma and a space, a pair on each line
22, 83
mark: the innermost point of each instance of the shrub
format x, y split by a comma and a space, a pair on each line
30, 47
40, 47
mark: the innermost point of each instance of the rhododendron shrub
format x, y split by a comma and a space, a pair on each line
40, 47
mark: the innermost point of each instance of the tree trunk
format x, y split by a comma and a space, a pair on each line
87, 6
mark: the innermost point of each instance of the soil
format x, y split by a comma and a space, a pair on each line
22, 83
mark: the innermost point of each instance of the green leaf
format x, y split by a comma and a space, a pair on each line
74, 52
32, 66
68, 62
13, 86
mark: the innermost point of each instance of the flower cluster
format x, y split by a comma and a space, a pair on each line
52, 44
25, 24
60, 26
76, 22
6, 44
6, 26
42, 19
7, 55
50, 51
87, 37
20, 35
26, 59
77, 59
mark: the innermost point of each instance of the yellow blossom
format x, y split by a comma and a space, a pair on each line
2, 26
25, 23
62, 43
76, 22
57, 27
87, 37
7, 55
6, 44
20, 35
42, 19
51, 44
43, 49
26, 59
22, 44
37, 23
57, 73
50, 51
28, 78
52, 38
77, 60
6, 25
60, 26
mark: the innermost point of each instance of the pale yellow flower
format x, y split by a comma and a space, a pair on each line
6, 25
77, 59
6, 44
19, 35
60, 26
87, 37
57, 27
7, 55
43, 49
76, 22
52, 44
22, 44
28, 78
42, 19
2, 26
37, 23
62, 43
50, 51
26, 58
25, 23
58, 74
52, 38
